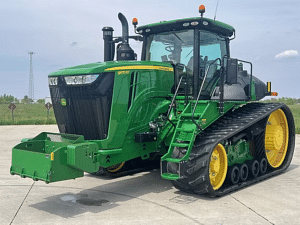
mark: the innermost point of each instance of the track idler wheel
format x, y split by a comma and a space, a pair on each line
218, 167
276, 138
244, 171
234, 175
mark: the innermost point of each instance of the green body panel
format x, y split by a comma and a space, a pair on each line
82, 156
149, 100
238, 153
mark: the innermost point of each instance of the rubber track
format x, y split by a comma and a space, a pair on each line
196, 178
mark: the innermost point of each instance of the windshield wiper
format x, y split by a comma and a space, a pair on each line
178, 37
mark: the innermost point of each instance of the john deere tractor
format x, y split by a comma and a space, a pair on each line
186, 106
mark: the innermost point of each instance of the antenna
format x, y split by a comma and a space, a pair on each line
31, 84
216, 10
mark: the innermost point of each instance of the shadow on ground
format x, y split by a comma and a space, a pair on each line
119, 191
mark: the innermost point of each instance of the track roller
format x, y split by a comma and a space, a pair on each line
263, 165
253, 166
244, 172
234, 174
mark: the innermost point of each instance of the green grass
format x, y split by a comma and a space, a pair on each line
296, 113
26, 114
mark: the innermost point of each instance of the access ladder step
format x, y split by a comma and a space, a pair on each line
180, 145
170, 176
189, 115
184, 130
174, 160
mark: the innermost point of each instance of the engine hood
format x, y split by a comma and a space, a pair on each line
100, 67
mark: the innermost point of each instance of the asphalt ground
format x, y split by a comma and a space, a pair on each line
143, 198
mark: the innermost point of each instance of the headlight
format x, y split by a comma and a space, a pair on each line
52, 81
81, 79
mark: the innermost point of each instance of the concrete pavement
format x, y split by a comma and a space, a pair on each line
143, 198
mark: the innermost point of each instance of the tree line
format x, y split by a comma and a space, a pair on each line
285, 100
7, 99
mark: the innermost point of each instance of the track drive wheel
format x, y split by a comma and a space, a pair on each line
276, 138
218, 167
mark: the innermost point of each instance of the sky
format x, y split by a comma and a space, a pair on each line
68, 33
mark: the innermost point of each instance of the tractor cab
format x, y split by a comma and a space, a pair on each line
198, 49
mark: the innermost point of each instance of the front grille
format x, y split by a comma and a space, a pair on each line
87, 109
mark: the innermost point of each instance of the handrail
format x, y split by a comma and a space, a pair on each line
206, 72
175, 94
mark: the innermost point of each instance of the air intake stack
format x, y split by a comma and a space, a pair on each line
109, 45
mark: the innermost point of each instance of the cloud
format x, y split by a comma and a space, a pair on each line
287, 54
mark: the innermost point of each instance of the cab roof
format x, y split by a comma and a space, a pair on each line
201, 23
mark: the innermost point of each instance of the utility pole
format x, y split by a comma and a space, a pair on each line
31, 83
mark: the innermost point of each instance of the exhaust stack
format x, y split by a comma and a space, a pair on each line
124, 51
124, 22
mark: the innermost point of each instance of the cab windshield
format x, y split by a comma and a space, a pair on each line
178, 46
175, 46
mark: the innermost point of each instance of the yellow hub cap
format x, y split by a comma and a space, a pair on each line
276, 138
218, 167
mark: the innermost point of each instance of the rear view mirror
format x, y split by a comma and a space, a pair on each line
231, 75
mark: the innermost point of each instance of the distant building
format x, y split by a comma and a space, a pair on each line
48, 99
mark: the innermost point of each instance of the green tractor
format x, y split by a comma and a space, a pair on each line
186, 107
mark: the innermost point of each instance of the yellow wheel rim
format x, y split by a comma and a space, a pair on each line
218, 167
276, 138
115, 168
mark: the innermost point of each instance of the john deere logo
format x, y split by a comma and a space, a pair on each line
63, 102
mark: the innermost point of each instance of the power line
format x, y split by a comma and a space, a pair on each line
31, 81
